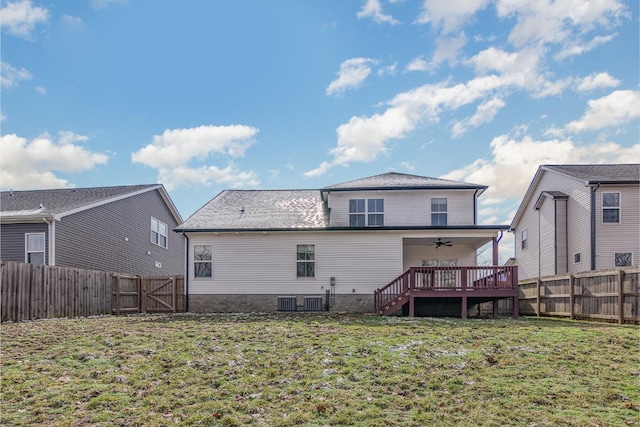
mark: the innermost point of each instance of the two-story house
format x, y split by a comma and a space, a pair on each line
124, 229
380, 244
576, 218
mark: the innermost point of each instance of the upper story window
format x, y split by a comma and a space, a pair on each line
611, 208
373, 216
202, 260
356, 213
524, 238
158, 232
34, 248
306, 260
438, 211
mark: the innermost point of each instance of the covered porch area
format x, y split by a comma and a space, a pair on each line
449, 268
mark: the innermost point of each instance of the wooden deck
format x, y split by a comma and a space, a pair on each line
489, 283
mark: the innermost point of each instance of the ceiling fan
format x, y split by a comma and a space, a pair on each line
440, 243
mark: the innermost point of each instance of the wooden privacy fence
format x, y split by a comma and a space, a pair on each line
603, 295
32, 291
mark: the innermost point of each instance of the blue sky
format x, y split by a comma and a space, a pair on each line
203, 96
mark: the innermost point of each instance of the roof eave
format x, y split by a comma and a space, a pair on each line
366, 229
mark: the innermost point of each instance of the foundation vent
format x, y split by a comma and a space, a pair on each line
312, 303
287, 304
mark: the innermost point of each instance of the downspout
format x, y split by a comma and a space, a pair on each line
555, 236
593, 226
186, 273
475, 208
539, 243
51, 232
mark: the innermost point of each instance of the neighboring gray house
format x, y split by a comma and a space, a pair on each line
261, 250
576, 218
124, 229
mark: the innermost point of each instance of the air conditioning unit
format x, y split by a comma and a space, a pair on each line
287, 304
313, 304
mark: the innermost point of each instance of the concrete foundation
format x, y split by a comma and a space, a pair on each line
220, 303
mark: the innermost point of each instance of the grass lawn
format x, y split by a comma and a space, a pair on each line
318, 370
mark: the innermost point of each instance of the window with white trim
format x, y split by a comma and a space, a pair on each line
623, 259
366, 212
159, 232
375, 208
611, 208
34, 248
356, 213
524, 239
439, 211
306, 260
202, 260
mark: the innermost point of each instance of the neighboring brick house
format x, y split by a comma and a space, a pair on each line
256, 250
575, 218
125, 229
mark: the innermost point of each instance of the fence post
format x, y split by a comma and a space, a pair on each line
174, 283
572, 298
117, 296
142, 294
621, 296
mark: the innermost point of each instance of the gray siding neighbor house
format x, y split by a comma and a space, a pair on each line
576, 218
124, 229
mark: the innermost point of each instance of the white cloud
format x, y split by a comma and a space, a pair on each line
388, 70
179, 154
447, 49
103, 4
450, 14
597, 81
352, 73
514, 162
549, 21
41, 90
31, 164
206, 176
19, 18
578, 47
484, 113
613, 110
417, 64
10, 76
372, 9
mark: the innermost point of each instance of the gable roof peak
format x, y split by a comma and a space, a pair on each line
399, 181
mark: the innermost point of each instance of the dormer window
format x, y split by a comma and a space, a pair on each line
372, 216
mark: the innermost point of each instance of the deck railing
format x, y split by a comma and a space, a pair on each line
446, 279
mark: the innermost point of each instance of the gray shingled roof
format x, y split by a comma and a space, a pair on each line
600, 173
53, 202
260, 210
394, 180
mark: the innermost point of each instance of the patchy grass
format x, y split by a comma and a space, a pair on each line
318, 370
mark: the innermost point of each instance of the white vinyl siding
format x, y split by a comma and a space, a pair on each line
547, 238
256, 263
578, 237
406, 207
622, 237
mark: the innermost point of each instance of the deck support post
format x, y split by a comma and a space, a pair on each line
495, 308
412, 285
463, 313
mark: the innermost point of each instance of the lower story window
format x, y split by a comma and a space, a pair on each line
34, 248
623, 259
306, 260
202, 260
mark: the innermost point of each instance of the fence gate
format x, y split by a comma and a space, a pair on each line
135, 294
